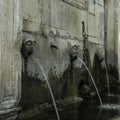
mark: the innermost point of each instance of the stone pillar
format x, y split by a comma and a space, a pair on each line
118, 33
10, 57
113, 37
110, 43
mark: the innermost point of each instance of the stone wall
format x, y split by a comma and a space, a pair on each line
59, 23
64, 19
56, 25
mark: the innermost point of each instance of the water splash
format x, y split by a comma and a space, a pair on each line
49, 87
108, 82
92, 81
110, 106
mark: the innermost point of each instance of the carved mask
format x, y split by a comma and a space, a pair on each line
74, 50
101, 54
28, 44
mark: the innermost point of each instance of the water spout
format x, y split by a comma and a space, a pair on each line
92, 81
49, 87
54, 46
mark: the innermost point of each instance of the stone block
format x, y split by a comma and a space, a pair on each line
31, 15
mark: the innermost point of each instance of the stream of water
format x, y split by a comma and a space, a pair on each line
49, 87
92, 81
98, 94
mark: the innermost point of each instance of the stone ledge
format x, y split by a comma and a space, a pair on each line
7, 111
42, 108
76, 4
57, 32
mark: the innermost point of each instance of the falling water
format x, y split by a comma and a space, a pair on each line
49, 87
108, 82
92, 81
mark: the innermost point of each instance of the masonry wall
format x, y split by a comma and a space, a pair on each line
52, 23
64, 19
59, 23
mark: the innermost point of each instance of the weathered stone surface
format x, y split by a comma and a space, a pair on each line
56, 26
112, 39
10, 58
31, 11
96, 22
61, 15
59, 24
117, 35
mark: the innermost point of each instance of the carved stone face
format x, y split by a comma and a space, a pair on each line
101, 54
101, 57
74, 52
28, 44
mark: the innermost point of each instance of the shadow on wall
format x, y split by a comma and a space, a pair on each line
112, 60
